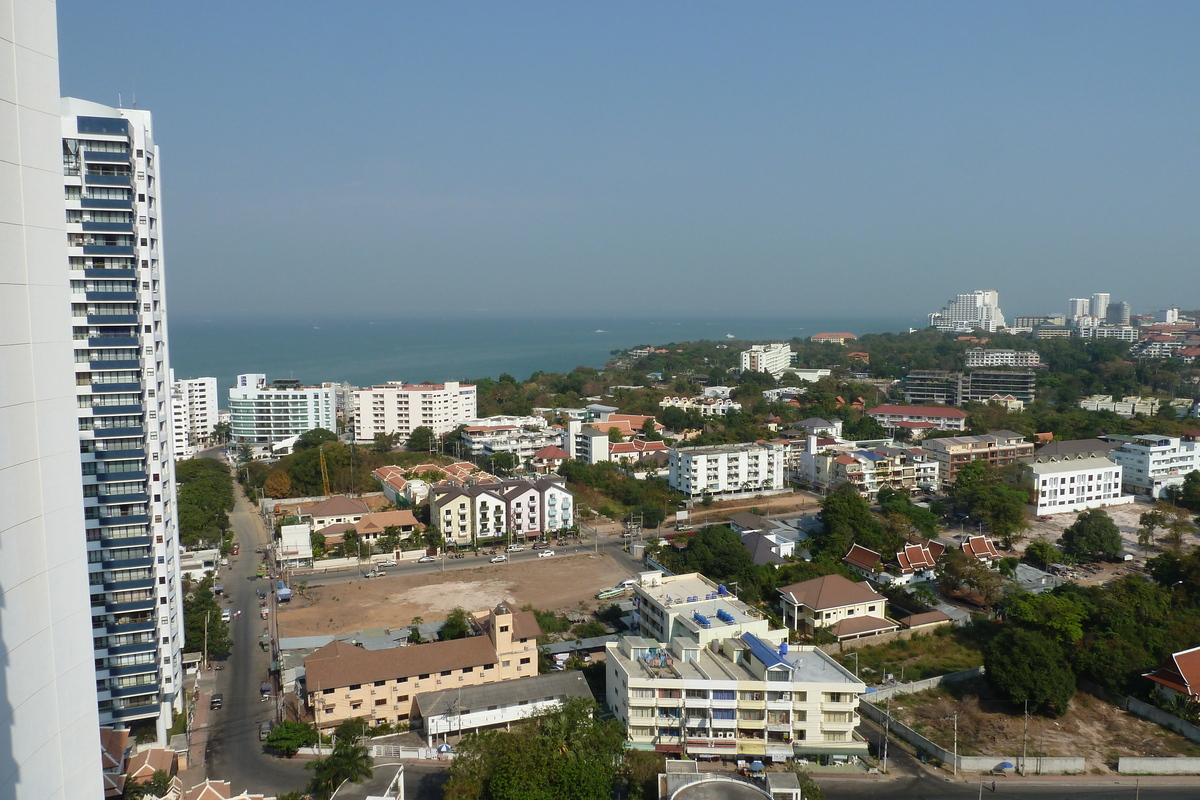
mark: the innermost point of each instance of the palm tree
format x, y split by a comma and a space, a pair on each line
349, 761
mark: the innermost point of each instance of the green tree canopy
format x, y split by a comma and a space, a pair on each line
314, 438
1025, 665
421, 439
349, 761
456, 625
288, 737
1092, 537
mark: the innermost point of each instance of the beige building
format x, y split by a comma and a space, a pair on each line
850, 610
343, 681
998, 448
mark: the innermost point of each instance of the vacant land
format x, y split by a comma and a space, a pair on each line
925, 655
986, 726
562, 583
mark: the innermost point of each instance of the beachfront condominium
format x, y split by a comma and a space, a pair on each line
967, 312
110, 167
193, 413
771, 358
48, 716
396, 408
265, 414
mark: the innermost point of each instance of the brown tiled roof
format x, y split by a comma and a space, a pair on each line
373, 524
1180, 672
143, 765
862, 558
980, 547
927, 618
914, 557
209, 790
855, 625
551, 452
338, 505
112, 747
340, 664
830, 591
114, 785
935, 548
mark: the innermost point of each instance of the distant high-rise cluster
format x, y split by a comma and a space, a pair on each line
979, 310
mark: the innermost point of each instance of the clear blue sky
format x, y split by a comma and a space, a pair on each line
515, 159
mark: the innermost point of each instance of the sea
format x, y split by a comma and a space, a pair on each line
366, 352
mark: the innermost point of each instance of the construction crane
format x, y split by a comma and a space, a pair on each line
324, 472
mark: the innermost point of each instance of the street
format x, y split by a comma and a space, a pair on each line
930, 787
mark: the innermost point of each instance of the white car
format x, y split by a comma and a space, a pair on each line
500, 559
388, 563
225, 615
545, 553
515, 548
425, 559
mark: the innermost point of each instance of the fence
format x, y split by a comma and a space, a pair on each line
1157, 766
969, 763
1146, 711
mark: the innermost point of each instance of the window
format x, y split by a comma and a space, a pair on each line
524, 660
446, 672
724, 694
381, 702
724, 713
424, 677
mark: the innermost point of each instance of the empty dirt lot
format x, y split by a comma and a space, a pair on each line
562, 583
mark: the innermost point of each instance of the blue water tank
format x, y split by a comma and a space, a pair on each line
722, 590
783, 648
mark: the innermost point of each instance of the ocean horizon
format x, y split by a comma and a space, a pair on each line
366, 352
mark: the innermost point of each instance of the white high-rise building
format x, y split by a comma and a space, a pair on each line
1099, 306
262, 414
49, 726
771, 358
123, 395
967, 312
193, 413
400, 408
1078, 307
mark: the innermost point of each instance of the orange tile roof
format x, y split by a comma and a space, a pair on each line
1180, 672
980, 547
862, 557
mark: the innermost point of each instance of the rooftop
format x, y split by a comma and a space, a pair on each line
692, 594
920, 411
830, 591
505, 693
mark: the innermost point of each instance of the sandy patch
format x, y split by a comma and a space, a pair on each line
444, 597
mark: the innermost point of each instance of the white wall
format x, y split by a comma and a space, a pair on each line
49, 726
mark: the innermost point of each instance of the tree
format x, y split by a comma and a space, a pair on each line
1150, 521
1043, 553
505, 462
278, 485
384, 442
1025, 665
349, 761
202, 621
1093, 536
650, 431
614, 435
652, 515
456, 626
1179, 524
314, 439
288, 737
422, 439
959, 571
221, 432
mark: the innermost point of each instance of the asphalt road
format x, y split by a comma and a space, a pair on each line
930, 787
234, 752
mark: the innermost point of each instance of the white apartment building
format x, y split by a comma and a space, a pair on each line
967, 312
467, 515
265, 414
985, 357
193, 413
707, 406
48, 693
1099, 306
123, 397
740, 697
773, 358
399, 408
727, 470
667, 607
487, 440
1151, 463
1126, 333
1075, 482
1128, 407
1078, 307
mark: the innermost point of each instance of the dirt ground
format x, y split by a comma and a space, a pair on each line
771, 505
1091, 728
1126, 519
562, 583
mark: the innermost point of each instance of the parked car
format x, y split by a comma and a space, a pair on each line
215, 703
264, 730
545, 554
540, 545
425, 559
515, 548
500, 559
226, 615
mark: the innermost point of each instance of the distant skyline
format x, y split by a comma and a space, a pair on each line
518, 159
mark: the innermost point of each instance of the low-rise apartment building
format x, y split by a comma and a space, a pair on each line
343, 681
707, 406
262, 414
960, 388
667, 607
739, 697
399, 408
1127, 407
871, 469
990, 357
1068, 478
523, 442
1151, 463
941, 417
998, 448
727, 470
469, 514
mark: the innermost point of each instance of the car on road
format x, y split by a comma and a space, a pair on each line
264, 730
500, 559
515, 548
215, 703
388, 563
225, 615
545, 554
540, 545
234, 551
425, 559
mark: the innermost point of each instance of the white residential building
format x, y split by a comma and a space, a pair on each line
1099, 305
193, 413
1151, 463
984, 357
123, 393
1128, 407
262, 414
1078, 307
1075, 482
399, 408
488, 440
1126, 333
967, 312
667, 607
775, 359
467, 515
51, 728
727, 469
707, 406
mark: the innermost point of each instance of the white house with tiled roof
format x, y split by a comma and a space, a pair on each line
1179, 675
981, 548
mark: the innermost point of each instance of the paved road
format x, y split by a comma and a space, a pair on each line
234, 751
934, 788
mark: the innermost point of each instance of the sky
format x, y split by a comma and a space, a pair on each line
508, 159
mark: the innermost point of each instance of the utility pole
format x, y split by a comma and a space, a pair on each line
956, 744
1025, 738
887, 726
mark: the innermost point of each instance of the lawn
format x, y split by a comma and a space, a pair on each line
925, 655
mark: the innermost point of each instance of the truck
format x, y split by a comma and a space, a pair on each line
283, 593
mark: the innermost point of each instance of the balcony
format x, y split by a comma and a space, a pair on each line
133, 605
110, 297
128, 519
117, 433
99, 157
111, 319
134, 691
108, 250
112, 341
91, 202
124, 388
101, 455
131, 649
133, 627
114, 363
107, 227
129, 586
108, 180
